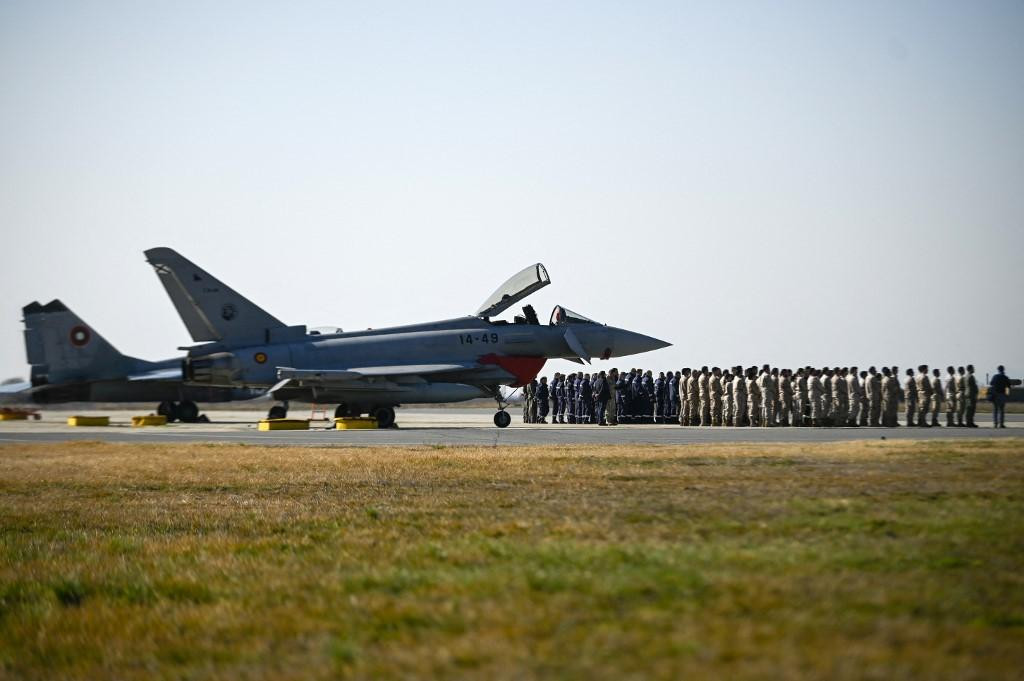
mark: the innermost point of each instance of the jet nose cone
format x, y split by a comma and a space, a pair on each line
632, 343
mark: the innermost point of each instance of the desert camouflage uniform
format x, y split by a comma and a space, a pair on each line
855, 395
739, 397
785, 399
890, 400
924, 398
873, 388
840, 400
753, 402
727, 403
715, 399
815, 393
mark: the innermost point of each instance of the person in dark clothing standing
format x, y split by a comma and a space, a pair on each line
601, 396
541, 395
586, 400
998, 394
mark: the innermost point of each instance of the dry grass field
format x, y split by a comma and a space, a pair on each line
884, 560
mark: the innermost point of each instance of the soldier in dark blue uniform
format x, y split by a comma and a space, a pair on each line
621, 398
659, 397
568, 392
636, 398
647, 399
672, 396
541, 395
601, 396
586, 400
554, 396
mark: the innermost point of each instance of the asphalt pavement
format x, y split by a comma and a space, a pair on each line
457, 426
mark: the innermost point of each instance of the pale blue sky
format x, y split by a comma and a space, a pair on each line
755, 182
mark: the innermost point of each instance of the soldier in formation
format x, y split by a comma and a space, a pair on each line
768, 397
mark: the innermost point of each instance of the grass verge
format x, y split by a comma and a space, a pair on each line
851, 560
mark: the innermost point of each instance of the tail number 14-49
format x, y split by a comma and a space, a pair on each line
469, 338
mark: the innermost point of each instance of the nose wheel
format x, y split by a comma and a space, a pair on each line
502, 418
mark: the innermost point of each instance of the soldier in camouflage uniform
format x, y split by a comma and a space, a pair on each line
767, 390
950, 392
936, 396
785, 393
923, 382
856, 394
910, 397
800, 399
865, 403
874, 393
972, 396
961, 396
727, 399
890, 398
753, 398
840, 398
703, 382
739, 397
816, 397
684, 396
715, 396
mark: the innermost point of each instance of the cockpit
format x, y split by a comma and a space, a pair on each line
519, 286
563, 316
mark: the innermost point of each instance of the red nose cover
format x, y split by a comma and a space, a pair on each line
525, 369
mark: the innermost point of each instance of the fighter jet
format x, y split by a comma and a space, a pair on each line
71, 362
374, 371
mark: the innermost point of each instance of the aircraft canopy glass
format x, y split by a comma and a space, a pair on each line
561, 316
520, 285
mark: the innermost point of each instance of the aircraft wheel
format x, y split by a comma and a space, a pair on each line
385, 417
277, 412
502, 419
168, 409
342, 410
188, 412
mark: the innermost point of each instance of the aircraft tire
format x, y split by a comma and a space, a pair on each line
343, 410
277, 412
385, 417
168, 409
188, 411
502, 419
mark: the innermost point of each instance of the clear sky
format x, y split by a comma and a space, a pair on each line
785, 182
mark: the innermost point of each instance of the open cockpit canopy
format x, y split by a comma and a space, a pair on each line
561, 316
519, 286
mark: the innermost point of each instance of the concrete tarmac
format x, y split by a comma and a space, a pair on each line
456, 426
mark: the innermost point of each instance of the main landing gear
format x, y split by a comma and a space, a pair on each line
186, 411
278, 411
502, 418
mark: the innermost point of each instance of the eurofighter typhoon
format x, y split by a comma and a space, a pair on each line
374, 371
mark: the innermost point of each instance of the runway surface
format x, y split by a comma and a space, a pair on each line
457, 427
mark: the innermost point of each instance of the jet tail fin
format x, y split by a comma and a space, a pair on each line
61, 348
210, 309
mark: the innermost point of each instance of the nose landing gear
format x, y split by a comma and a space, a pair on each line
502, 418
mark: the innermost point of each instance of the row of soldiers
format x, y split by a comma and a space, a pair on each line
809, 396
